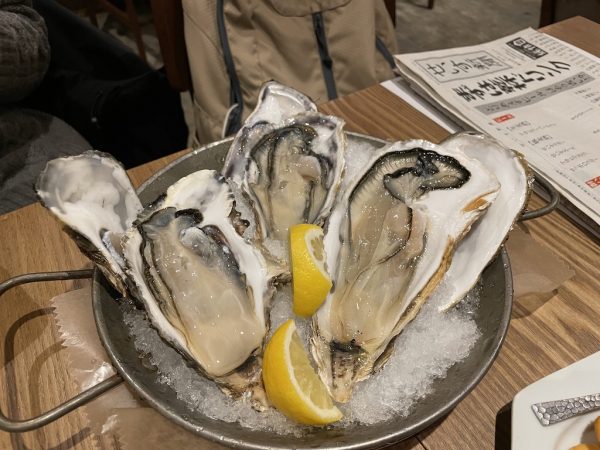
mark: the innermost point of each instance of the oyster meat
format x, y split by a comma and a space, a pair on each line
288, 164
389, 241
276, 103
205, 289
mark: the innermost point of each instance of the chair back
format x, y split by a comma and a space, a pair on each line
168, 20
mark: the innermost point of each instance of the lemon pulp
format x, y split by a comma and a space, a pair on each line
310, 281
291, 383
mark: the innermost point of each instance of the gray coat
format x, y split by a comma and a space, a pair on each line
24, 50
28, 139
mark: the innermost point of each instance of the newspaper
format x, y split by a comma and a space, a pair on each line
533, 93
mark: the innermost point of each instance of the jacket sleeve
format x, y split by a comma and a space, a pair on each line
24, 49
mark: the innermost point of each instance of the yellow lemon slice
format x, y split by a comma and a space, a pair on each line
291, 383
310, 280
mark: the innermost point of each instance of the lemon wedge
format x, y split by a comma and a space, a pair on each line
291, 383
310, 280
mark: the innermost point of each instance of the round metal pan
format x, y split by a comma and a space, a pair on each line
492, 319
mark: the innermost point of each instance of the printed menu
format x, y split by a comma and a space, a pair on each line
532, 92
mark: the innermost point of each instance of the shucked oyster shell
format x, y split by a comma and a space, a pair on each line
484, 239
92, 195
389, 241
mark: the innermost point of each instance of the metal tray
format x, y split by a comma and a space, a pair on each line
492, 318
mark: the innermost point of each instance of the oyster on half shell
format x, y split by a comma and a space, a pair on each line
276, 102
288, 162
389, 241
205, 289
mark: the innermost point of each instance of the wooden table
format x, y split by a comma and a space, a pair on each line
542, 338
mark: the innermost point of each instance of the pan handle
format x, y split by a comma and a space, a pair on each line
549, 207
9, 425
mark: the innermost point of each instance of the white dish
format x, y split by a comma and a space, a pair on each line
580, 378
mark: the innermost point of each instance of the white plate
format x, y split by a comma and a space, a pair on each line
578, 379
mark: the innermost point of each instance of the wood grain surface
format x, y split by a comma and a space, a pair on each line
545, 334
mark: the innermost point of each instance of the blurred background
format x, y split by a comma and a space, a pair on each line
421, 25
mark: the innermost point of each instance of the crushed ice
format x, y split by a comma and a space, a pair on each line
427, 348
424, 351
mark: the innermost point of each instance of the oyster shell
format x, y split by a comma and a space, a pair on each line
484, 239
288, 161
389, 241
205, 289
93, 196
276, 102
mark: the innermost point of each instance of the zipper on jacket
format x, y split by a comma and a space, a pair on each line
385, 52
326, 61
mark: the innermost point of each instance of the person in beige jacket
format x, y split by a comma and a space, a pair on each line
323, 48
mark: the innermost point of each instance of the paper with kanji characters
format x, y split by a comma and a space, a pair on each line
533, 93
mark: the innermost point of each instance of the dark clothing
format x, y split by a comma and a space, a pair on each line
29, 139
24, 50
106, 92
93, 83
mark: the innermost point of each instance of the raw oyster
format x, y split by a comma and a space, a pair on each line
389, 241
484, 239
288, 161
276, 103
92, 195
205, 289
